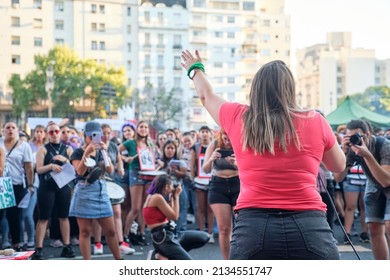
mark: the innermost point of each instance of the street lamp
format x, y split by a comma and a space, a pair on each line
49, 87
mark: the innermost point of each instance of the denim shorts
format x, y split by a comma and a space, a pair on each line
272, 234
377, 207
353, 188
135, 179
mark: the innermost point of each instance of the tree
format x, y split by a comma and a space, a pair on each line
74, 79
376, 99
159, 106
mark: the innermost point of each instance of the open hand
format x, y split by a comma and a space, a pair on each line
189, 59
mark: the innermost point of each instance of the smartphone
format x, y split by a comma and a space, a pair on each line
96, 137
225, 153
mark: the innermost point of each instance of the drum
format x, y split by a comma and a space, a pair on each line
149, 175
201, 183
115, 192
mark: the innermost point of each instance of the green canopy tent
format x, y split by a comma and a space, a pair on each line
350, 110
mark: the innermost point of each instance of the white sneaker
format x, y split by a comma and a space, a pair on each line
98, 249
125, 249
74, 241
56, 243
211, 240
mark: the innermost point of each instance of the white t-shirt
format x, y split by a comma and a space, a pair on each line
14, 162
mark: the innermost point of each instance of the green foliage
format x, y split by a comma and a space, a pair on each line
74, 79
376, 99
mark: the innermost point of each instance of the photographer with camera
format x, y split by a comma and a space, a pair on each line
373, 153
50, 158
162, 205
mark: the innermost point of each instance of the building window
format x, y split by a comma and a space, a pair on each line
102, 45
160, 18
160, 61
147, 61
147, 17
128, 29
102, 9
37, 4
59, 41
160, 39
102, 27
15, 40
231, 96
128, 11
176, 62
59, 6
129, 82
266, 38
15, 59
128, 47
177, 82
199, 3
266, 52
266, 23
93, 45
15, 21
37, 41
231, 80
177, 41
160, 82
218, 64
231, 19
129, 64
248, 6
147, 39
218, 19
59, 24
15, 3
231, 35
218, 34
37, 23
93, 8
93, 26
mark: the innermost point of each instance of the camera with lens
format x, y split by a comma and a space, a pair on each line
356, 139
176, 184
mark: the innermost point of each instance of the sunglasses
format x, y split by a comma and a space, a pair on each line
51, 132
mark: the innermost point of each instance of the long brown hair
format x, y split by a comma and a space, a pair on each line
272, 105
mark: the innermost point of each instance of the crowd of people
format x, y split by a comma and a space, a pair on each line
265, 180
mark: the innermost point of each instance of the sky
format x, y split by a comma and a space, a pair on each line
368, 20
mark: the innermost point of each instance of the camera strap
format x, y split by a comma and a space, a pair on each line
379, 140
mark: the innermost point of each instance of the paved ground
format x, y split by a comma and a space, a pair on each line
212, 252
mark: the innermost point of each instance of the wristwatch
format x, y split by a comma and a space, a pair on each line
192, 73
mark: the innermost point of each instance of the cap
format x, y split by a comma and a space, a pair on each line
204, 127
91, 127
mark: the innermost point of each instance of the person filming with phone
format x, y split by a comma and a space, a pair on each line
224, 187
373, 154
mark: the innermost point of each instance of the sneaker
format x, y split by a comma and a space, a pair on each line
56, 243
74, 241
18, 248
98, 248
364, 237
211, 240
30, 246
67, 252
38, 255
125, 249
138, 239
346, 241
6, 245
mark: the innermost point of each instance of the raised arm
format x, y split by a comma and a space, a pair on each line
211, 101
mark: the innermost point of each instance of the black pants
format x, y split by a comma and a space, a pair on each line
174, 247
14, 214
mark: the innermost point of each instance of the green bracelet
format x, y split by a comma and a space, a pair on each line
196, 65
